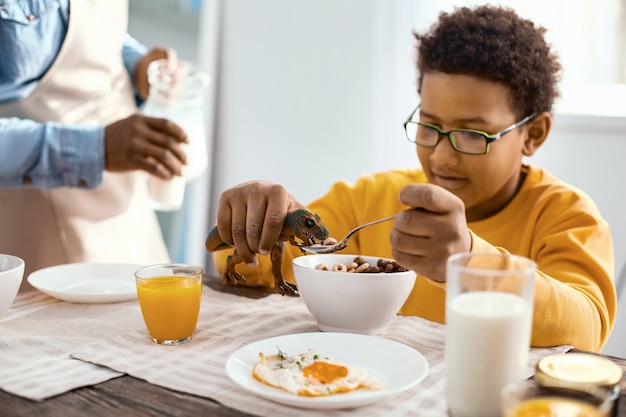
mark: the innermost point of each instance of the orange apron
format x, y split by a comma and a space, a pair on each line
87, 83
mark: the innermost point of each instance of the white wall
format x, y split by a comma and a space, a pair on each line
301, 100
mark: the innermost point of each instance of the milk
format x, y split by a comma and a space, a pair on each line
168, 195
487, 346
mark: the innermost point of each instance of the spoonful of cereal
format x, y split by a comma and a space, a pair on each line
330, 245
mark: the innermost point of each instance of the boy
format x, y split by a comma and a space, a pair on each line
487, 83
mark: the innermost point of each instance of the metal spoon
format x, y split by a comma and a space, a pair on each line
343, 243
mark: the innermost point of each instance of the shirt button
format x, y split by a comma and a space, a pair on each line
31, 17
82, 183
26, 180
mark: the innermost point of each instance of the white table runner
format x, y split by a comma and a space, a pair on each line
38, 333
42, 340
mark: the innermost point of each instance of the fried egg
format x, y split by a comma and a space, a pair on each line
311, 374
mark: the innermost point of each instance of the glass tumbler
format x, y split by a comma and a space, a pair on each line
489, 306
169, 297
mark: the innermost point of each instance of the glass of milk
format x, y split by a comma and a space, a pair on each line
489, 310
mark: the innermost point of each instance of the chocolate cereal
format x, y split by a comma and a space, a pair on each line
359, 265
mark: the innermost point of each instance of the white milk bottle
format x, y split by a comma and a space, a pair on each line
178, 94
489, 305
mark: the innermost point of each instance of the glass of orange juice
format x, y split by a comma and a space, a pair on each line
530, 398
169, 297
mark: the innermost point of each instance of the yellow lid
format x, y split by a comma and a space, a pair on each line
579, 368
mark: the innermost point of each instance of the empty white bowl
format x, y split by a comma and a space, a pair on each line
11, 274
350, 302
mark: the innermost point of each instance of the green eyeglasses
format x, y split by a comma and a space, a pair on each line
468, 141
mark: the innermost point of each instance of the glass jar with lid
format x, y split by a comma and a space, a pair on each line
581, 369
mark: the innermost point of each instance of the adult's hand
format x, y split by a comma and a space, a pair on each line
425, 236
251, 215
147, 143
141, 70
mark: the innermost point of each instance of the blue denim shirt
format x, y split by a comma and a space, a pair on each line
48, 154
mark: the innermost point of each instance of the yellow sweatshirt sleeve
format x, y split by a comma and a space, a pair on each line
562, 230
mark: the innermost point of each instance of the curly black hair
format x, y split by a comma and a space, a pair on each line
495, 44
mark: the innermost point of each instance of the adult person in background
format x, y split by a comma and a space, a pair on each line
74, 152
487, 82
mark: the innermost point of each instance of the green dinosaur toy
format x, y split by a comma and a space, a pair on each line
300, 224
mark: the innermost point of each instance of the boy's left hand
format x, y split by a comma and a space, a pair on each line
425, 236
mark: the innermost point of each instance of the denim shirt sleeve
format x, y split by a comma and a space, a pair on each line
31, 34
132, 51
50, 155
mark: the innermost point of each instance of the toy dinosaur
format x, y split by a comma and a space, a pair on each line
300, 224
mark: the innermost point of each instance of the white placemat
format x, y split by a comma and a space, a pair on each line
39, 331
228, 322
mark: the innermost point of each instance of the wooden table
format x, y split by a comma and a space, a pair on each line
127, 396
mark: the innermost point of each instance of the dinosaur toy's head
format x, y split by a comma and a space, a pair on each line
306, 226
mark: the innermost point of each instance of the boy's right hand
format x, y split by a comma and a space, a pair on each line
425, 236
251, 216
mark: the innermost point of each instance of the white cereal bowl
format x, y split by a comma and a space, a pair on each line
11, 274
350, 302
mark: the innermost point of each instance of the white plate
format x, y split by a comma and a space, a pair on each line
87, 282
397, 366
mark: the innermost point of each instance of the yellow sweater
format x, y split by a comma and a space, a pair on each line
556, 225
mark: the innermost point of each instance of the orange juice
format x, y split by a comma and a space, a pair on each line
553, 407
170, 306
